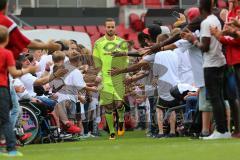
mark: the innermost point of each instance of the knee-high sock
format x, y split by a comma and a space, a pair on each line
109, 118
121, 112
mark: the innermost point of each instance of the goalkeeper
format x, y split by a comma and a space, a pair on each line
113, 88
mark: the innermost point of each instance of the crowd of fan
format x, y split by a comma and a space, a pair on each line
198, 55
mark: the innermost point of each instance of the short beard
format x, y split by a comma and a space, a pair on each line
110, 35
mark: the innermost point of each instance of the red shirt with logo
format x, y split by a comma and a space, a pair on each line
6, 61
17, 41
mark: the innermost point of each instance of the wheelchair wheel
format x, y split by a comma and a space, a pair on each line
30, 123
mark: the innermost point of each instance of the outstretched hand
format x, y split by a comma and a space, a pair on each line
145, 51
32, 69
60, 72
114, 72
117, 54
128, 81
187, 35
52, 46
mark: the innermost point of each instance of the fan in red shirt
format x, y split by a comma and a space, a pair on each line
17, 41
7, 65
6, 61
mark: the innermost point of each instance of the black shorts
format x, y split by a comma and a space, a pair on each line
167, 104
5, 105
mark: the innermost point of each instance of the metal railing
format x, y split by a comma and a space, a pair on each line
19, 21
86, 3
60, 3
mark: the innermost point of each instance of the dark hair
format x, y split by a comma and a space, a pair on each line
74, 41
38, 40
18, 65
3, 4
205, 5
30, 57
141, 39
109, 20
154, 30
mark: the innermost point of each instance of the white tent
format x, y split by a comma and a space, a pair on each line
54, 34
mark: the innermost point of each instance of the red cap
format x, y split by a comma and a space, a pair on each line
193, 13
146, 31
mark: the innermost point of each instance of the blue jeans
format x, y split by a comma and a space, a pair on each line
16, 109
48, 102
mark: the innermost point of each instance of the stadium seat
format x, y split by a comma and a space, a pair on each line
222, 4
138, 25
135, 2
27, 28
91, 30
54, 27
153, 3
41, 27
135, 22
134, 37
171, 2
67, 28
94, 38
133, 17
101, 30
121, 31
79, 28
122, 2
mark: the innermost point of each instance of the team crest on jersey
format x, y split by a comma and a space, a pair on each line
111, 46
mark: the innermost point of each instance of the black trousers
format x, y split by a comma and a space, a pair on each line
5, 124
214, 85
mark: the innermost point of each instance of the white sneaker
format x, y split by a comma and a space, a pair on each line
65, 136
218, 135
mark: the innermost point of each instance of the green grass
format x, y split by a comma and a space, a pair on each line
135, 146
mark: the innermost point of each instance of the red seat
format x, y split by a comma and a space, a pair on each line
122, 2
54, 27
133, 17
135, 22
138, 25
121, 31
134, 37
222, 4
135, 2
79, 28
27, 28
101, 30
171, 2
41, 27
153, 3
94, 38
91, 30
67, 28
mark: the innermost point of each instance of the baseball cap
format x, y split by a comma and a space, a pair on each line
193, 13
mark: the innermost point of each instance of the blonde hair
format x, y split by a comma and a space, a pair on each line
162, 37
3, 34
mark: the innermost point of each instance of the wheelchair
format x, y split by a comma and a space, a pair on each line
41, 125
185, 115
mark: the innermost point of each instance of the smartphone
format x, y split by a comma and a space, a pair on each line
175, 14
